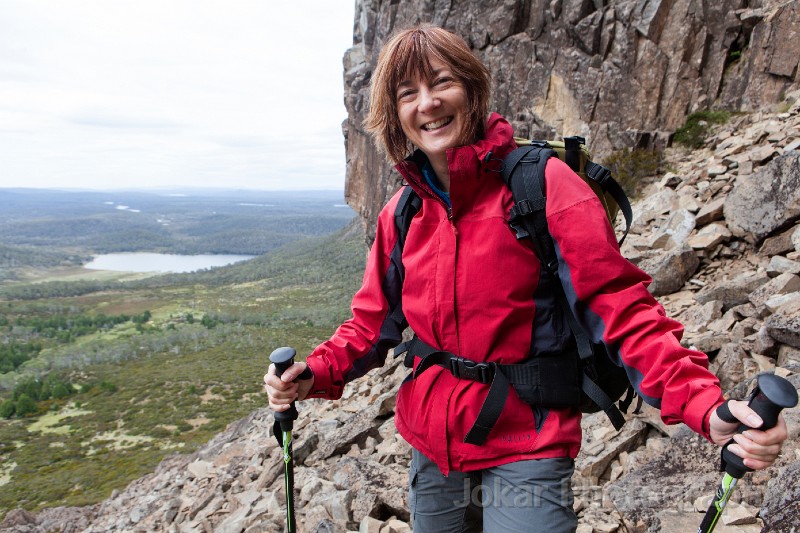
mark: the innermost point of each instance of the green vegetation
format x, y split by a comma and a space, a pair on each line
12, 257
629, 167
56, 289
785, 104
66, 327
99, 401
13, 354
31, 395
693, 134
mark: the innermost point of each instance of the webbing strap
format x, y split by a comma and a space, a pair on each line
461, 368
528, 188
602, 176
490, 410
585, 350
598, 396
513, 159
587, 355
407, 207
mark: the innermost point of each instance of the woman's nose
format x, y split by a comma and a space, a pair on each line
428, 101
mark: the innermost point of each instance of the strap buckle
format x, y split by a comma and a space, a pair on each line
526, 207
599, 174
465, 369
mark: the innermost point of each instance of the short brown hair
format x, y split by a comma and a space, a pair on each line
409, 51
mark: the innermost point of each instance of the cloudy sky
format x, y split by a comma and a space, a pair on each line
107, 94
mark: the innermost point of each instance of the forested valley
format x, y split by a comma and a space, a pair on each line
104, 374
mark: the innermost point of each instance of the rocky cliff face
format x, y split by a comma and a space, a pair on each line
720, 234
622, 73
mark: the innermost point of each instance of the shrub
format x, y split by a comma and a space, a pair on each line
31, 387
694, 132
107, 386
143, 318
7, 409
61, 390
629, 167
25, 405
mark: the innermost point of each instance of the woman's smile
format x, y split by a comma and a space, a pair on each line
431, 126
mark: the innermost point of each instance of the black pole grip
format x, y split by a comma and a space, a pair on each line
772, 395
283, 358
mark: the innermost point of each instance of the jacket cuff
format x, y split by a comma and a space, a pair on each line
322, 381
698, 410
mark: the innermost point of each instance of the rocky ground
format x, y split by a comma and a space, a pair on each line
719, 233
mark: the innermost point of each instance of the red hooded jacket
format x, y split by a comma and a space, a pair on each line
471, 288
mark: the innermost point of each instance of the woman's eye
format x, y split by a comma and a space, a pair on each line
443, 80
405, 95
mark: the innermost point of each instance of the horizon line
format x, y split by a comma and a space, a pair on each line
170, 188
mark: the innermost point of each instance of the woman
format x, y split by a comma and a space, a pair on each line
472, 289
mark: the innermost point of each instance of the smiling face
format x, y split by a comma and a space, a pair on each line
433, 110
412, 66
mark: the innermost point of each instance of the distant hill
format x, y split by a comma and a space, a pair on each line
69, 225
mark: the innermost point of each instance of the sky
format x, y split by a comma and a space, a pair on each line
120, 94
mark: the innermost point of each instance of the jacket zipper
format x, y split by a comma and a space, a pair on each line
455, 322
455, 277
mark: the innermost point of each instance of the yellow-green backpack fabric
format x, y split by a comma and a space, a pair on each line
611, 198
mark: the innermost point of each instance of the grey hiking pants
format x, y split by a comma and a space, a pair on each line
525, 496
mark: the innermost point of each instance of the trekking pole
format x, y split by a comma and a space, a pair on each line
772, 394
283, 358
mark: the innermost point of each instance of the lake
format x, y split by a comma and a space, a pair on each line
150, 262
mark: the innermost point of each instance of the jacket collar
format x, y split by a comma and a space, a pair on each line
468, 164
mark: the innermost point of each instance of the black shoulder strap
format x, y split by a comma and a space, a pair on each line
524, 173
407, 207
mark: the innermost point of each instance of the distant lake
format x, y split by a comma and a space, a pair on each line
149, 262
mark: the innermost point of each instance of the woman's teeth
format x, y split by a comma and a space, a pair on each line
437, 124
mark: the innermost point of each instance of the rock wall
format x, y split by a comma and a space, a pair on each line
737, 292
622, 73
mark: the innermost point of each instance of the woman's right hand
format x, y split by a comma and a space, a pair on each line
282, 391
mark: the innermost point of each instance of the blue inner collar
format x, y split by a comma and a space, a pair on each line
433, 181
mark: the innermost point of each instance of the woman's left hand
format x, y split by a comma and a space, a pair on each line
758, 449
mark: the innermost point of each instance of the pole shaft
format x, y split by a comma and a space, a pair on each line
288, 478
283, 358
721, 498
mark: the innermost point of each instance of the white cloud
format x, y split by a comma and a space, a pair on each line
122, 93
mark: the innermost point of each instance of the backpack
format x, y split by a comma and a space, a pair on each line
586, 377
